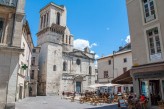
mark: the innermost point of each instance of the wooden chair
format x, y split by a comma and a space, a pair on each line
160, 104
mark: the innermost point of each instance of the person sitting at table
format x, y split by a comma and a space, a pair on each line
143, 101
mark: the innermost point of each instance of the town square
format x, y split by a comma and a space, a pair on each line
81, 54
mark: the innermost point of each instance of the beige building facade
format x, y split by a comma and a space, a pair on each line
61, 68
15, 52
114, 65
34, 72
146, 21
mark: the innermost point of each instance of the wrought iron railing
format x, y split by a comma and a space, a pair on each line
8, 2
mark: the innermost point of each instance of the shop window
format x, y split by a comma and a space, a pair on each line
149, 10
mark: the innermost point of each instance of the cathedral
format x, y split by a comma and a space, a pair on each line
61, 67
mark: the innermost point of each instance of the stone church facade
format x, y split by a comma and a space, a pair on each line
61, 68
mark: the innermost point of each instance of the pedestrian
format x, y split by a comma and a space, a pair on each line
63, 93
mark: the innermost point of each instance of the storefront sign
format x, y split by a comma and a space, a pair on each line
149, 75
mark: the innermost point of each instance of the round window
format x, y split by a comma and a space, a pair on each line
78, 61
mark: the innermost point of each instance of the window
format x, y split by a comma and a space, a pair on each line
154, 43
58, 18
44, 21
33, 61
105, 74
149, 10
109, 62
1, 29
124, 69
33, 50
41, 23
125, 60
64, 66
32, 74
78, 61
66, 39
54, 68
47, 18
63, 38
69, 39
90, 70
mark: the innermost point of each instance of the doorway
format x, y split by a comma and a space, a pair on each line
155, 93
20, 92
78, 87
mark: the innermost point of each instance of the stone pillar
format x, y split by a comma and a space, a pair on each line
18, 23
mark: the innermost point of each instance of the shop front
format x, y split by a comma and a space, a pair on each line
149, 81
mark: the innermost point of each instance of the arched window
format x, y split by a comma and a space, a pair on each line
66, 39
44, 21
41, 23
78, 61
54, 68
47, 19
64, 66
90, 70
63, 38
69, 39
58, 18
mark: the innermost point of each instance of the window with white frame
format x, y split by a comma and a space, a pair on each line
149, 10
154, 44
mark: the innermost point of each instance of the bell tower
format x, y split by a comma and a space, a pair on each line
51, 31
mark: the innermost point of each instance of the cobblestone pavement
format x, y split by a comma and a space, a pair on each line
55, 102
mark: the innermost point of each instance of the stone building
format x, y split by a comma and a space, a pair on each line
146, 21
61, 68
15, 52
34, 72
114, 65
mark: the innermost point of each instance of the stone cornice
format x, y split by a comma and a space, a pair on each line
11, 49
54, 28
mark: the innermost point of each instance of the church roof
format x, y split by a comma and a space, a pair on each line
79, 53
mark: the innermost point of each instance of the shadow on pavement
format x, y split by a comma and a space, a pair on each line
107, 107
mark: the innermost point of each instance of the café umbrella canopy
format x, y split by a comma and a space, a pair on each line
94, 86
111, 85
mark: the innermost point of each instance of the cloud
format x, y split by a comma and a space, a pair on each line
127, 40
80, 44
97, 56
93, 45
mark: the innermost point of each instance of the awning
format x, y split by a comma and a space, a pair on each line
124, 78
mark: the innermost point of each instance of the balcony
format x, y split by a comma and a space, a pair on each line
11, 3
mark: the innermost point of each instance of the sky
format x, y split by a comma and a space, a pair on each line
102, 25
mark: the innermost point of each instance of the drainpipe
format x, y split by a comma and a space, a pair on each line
113, 63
